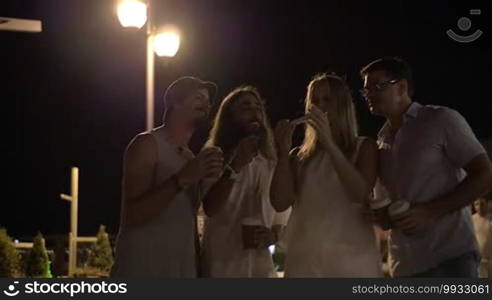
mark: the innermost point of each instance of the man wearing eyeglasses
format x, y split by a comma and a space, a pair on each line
430, 158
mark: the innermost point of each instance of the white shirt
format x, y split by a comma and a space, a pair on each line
223, 253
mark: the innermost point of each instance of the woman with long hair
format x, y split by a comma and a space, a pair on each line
241, 223
327, 181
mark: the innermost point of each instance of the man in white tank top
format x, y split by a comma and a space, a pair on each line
157, 236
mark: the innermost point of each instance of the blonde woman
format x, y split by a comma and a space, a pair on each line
327, 181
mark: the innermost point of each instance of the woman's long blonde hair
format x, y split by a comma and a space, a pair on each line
343, 123
224, 132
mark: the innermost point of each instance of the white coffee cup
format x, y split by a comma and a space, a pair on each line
380, 210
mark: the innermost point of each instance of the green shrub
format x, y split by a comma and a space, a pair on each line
101, 256
9, 257
38, 262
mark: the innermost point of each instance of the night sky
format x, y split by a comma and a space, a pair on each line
74, 95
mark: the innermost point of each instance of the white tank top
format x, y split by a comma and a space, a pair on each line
166, 245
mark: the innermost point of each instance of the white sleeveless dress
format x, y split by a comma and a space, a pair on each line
165, 246
327, 235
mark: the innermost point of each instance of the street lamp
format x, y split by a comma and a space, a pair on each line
167, 43
134, 13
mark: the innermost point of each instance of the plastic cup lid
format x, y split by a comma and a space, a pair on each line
398, 207
380, 203
214, 147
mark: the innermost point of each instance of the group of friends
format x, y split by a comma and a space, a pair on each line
321, 199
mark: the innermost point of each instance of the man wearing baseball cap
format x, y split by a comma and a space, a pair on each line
157, 236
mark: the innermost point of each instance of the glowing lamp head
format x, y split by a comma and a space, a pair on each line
132, 13
166, 43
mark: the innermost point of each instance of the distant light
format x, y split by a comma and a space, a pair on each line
16, 241
166, 43
272, 249
132, 13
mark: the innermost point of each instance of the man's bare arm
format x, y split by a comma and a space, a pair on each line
144, 201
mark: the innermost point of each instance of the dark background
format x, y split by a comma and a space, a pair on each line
74, 95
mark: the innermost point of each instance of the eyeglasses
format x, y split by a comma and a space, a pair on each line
378, 87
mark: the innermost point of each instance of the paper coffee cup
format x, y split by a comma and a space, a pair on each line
379, 208
249, 226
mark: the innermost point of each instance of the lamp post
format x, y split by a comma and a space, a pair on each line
73, 236
73, 198
135, 13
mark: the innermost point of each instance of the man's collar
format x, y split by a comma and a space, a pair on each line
384, 132
412, 111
